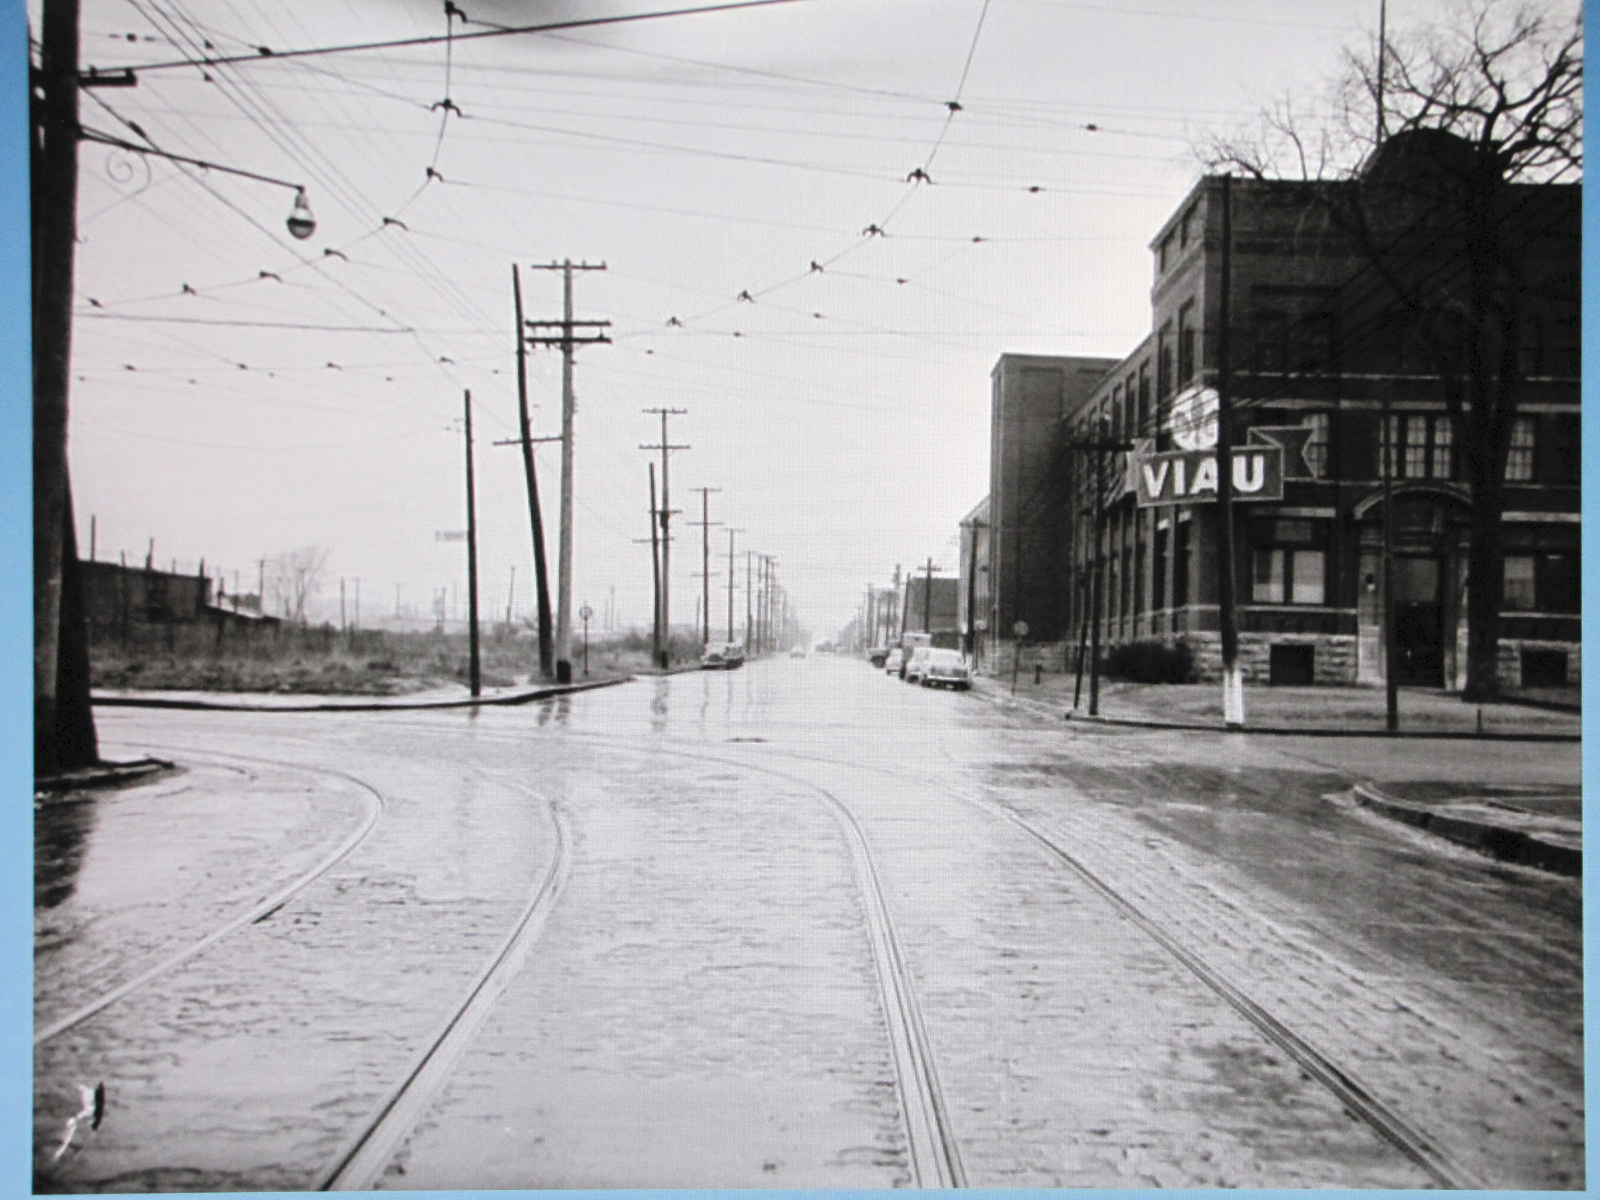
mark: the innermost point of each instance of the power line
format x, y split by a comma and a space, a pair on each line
267, 54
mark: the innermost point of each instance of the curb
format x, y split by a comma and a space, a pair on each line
102, 775
1497, 841
1448, 735
512, 699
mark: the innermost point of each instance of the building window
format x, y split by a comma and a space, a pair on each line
1186, 357
1145, 427
1519, 463
1564, 450
1135, 417
1314, 342
1186, 229
1284, 576
1317, 443
1180, 565
1549, 583
1442, 463
1519, 591
1164, 361
1289, 565
1158, 571
1271, 329
1424, 446
1164, 259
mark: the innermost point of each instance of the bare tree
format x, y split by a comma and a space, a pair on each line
294, 577
1421, 149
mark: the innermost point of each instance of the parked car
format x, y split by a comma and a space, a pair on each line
722, 657
916, 664
946, 668
878, 655
894, 662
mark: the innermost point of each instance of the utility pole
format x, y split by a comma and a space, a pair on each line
63, 722
769, 638
749, 600
474, 680
511, 600
657, 654
357, 623
567, 340
731, 532
666, 514
705, 524
1232, 678
1099, 446
535, 519
972, 591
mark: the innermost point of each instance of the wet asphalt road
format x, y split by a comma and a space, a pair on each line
721, 879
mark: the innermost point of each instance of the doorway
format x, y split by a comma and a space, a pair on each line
1418, 621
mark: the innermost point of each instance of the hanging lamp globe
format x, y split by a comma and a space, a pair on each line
301, 223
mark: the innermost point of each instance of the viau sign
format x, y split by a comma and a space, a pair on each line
1186, 476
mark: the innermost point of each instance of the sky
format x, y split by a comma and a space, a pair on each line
238, 393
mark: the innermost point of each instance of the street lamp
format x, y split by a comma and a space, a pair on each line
301, 223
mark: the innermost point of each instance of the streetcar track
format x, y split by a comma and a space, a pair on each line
259, 911
932, 1152
365, 1156
1357, 1098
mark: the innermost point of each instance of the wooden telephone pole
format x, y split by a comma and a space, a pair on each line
63, 723
705, 522
666, 514
535, 518
567, 339
473, 676
731, 532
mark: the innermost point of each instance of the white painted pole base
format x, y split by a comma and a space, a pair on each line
1233, 697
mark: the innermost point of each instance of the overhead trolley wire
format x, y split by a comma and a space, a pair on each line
267, 54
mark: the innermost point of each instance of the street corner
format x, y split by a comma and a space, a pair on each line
1535, 825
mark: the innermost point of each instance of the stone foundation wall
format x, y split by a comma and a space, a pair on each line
1509, 667
1333, 661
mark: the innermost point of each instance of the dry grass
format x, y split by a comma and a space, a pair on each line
324, 661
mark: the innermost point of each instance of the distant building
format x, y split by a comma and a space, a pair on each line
931, 606
974, 592
1028, 572
119, 600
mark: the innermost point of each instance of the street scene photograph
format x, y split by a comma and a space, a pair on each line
829, 594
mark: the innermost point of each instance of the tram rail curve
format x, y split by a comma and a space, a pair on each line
257, 911
368, 1152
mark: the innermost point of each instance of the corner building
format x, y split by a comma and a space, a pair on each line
1321, 344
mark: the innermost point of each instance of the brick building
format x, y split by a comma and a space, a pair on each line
1320, 349
1028, 573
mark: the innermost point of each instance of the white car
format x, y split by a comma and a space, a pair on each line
946, 668
895, 660
916, 663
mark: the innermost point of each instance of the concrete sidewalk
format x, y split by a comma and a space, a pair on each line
1311, 711
1538, 824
